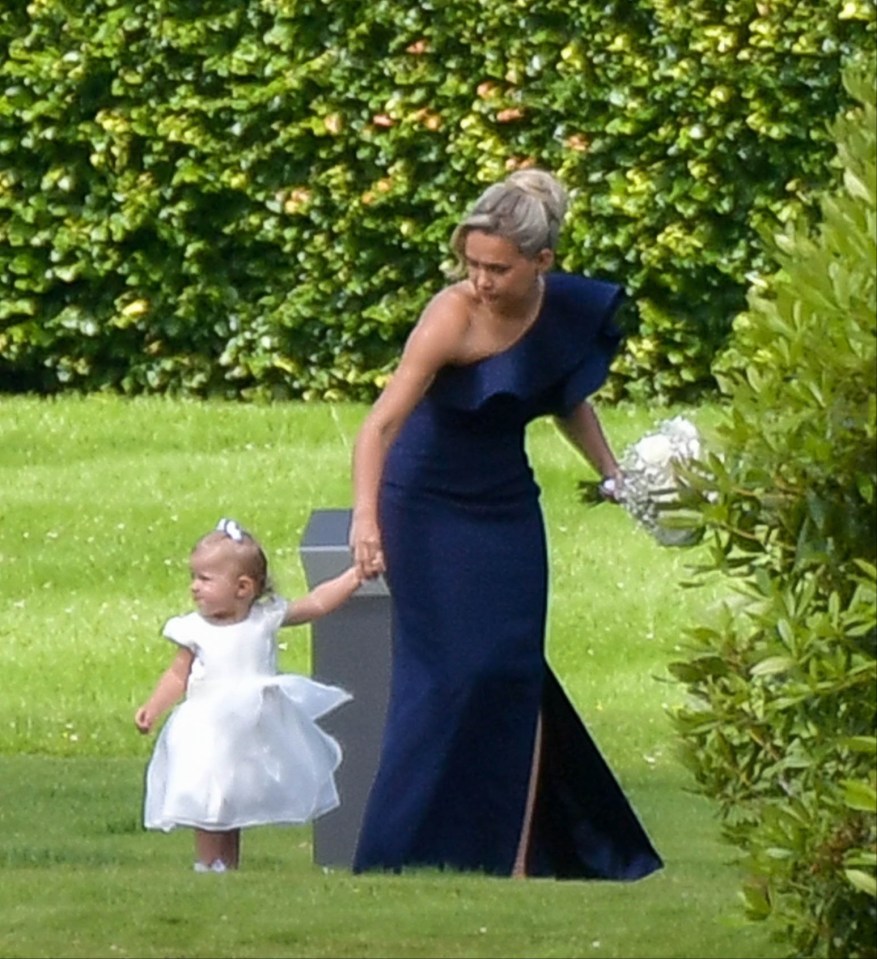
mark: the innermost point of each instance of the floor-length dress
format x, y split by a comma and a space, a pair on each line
244, 748
467, 569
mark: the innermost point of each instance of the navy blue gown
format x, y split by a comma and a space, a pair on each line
467, 570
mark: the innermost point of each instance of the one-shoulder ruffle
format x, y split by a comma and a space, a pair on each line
566, 354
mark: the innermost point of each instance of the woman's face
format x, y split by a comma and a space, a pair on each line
499, 272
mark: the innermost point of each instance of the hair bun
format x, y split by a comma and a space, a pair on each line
544, 187
527, 208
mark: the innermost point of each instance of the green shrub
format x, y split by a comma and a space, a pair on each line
241, 198
781, 720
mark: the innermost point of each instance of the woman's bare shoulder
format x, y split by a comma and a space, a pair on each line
455, 301
445, 321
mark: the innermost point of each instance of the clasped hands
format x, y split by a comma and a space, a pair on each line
366, 549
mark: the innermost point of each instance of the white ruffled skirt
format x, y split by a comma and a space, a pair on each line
245, 753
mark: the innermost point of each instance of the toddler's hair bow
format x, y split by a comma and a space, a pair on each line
231, 529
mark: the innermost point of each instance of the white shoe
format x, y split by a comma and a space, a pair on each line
201, 867
218, 866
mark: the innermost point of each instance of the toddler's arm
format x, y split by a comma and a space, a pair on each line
324, 598
167, 691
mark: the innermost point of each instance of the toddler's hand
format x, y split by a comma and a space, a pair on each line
142, 720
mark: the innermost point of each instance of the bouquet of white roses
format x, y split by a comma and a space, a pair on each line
651, 482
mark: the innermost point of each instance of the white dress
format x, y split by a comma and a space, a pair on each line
243, 748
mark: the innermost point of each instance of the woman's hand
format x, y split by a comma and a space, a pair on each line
366, 549
611, 488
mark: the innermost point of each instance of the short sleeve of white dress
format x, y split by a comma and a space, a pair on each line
181, 630
273, 610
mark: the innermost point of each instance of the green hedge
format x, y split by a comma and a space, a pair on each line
780, 722
254, 198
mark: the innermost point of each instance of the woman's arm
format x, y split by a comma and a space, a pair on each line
170, 687
433, 343
583, 430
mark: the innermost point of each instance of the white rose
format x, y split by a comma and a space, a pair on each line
683, 434
654, 450
681, 428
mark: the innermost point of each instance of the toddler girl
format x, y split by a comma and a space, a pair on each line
244, 748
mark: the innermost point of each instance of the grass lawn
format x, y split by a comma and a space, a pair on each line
100, 501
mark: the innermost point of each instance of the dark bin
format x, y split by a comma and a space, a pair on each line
350, 648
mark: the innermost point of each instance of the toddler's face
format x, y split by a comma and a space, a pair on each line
215, 583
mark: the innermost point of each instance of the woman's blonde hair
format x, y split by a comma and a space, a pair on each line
527, 208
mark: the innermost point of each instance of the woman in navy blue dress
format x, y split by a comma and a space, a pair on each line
485, 764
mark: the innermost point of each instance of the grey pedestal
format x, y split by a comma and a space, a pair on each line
350, 648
